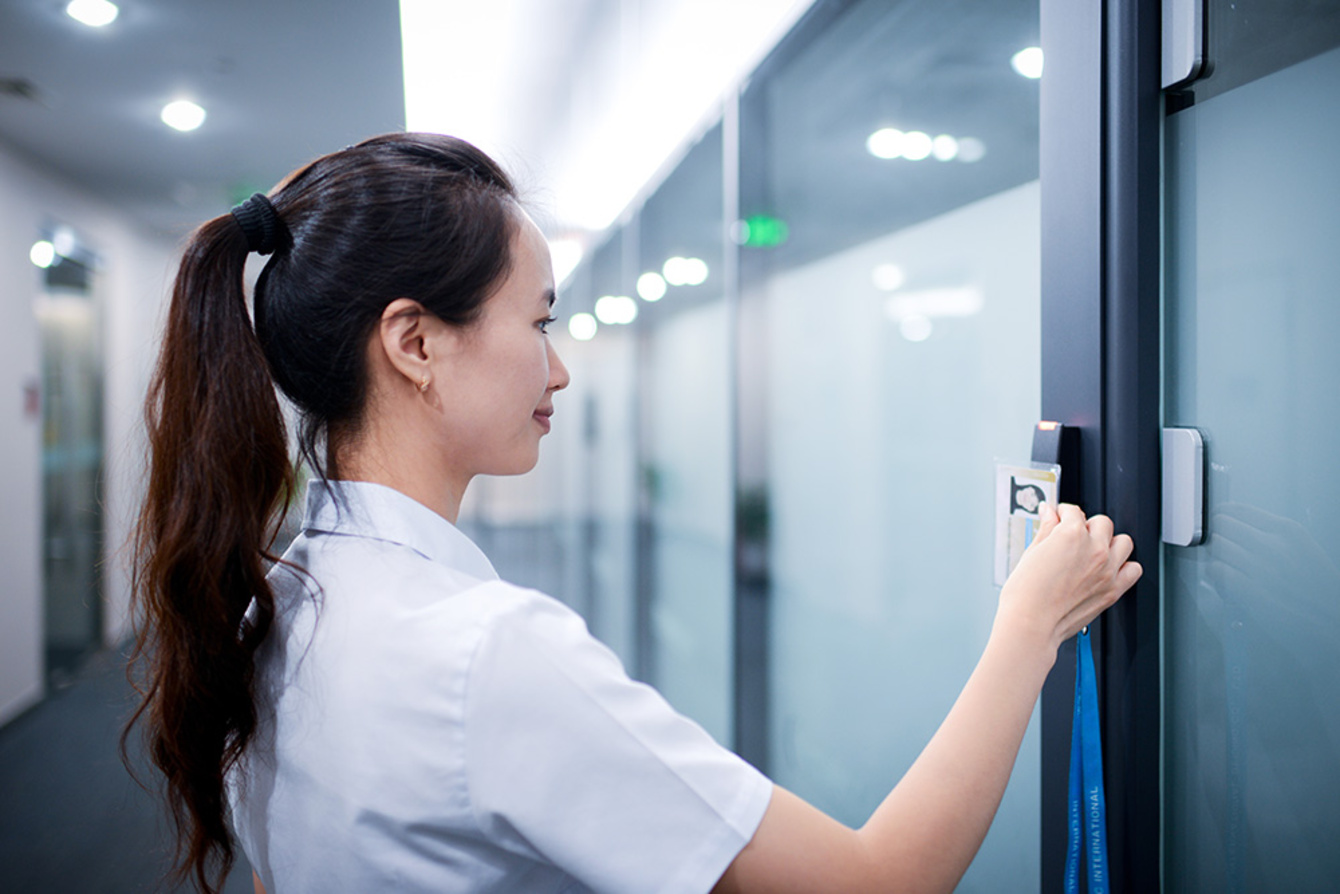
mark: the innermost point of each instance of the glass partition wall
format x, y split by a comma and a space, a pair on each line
890, 250
778, 478
684, 402
815, 336
1252, 615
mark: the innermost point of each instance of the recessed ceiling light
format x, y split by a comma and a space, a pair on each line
93, 13
615, 310
887, 142
651, 286
582, 327
43, 254
183, 115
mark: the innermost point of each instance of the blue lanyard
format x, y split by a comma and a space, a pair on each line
1088, 807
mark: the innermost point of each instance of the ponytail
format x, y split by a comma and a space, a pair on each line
420, 215
219, 474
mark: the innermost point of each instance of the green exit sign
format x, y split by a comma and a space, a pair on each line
762, 231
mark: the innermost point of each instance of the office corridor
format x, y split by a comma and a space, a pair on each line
72, 821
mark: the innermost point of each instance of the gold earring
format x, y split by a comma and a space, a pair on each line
423, 385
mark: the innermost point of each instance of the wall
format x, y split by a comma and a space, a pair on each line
129, 287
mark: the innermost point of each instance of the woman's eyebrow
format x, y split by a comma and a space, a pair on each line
551, 296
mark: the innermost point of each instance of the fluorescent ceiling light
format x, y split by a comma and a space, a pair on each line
93, 13
183, 115
643, 79
951, 302
565, 255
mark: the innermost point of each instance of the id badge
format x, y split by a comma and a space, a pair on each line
1020, 491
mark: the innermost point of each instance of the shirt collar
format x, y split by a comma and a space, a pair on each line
377, 512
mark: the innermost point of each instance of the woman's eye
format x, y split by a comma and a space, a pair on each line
546, 323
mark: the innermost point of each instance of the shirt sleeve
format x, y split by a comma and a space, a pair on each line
571, 761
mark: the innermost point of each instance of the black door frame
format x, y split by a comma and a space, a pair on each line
1101, 121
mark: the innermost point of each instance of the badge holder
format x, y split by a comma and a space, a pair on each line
1022, 489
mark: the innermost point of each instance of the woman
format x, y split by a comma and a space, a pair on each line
380, 712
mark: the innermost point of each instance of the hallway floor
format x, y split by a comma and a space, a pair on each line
72, 821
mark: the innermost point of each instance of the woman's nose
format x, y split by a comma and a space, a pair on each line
558, 373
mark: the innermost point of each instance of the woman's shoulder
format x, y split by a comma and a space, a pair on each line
377, 584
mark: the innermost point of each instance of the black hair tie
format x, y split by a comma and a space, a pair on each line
260, 223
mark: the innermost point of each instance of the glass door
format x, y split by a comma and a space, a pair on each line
1252, 615
72, 457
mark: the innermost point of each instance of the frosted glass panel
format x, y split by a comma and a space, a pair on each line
895, 151
689, 473
685, 404
881, 483
1252, 617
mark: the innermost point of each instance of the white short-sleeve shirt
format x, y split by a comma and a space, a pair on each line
426, 727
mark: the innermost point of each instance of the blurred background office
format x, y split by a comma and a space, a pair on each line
799, 247
765, 297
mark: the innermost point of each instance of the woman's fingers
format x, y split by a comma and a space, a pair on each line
1121, 548
1047, 521
1100, 527
1080, 571
1070, 514
1127, 575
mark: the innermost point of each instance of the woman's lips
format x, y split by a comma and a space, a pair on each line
542, 417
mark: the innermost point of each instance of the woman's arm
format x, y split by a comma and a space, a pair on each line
256, 883
926, 832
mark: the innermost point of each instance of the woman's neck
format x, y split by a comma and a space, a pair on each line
405, 463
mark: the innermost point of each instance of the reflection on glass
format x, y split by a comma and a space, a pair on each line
971, 149
608, 394
944, 147
887, 277
686, 433
1252, 618
902, 329
1028, 62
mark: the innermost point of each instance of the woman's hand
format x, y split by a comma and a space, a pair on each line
1074, 570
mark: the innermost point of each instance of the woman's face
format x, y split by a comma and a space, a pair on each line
499, 380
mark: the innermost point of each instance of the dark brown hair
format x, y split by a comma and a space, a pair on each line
403, 215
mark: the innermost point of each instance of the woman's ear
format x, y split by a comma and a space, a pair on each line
404, 335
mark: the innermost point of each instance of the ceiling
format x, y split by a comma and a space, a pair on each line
281, 82
582, 100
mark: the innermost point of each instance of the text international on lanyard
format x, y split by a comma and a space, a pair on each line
1088, 807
